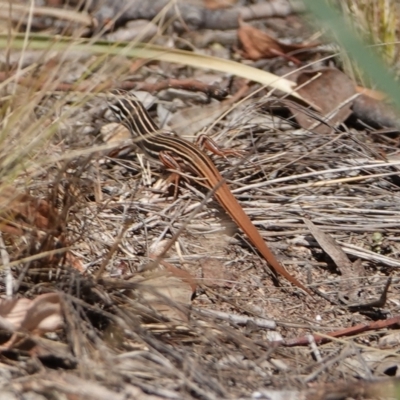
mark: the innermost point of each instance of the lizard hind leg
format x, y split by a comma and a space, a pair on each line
172, 163
205, 142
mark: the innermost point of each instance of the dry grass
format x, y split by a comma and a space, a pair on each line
377, 24
100, 214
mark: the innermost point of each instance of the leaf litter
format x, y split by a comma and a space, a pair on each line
92, 303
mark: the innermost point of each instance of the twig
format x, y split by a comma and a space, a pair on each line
354, 330
112, 250
6, 263
237, 319
368, 255
314, 348
193, 85
316, 173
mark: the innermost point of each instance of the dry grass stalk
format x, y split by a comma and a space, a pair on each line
116, 344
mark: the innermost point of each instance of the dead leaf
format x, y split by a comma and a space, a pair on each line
192, 120
257, 44
182, 275
19, 210
157, 250
42, 314
115, 133
118, 135
21, 213
330, 89
166, 292
169, 291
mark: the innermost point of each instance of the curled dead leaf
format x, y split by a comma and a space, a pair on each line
167, 293
19, 210
41, 314
258, 44
332, 91
21, 213
119, 135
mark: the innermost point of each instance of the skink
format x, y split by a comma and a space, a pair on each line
180, 154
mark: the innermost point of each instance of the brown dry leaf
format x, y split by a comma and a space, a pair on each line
182, 275
169, 291
166, 292
330, 89
42, 314
257, 44
189, 121
114, 133
217, 4
192, 120
157, 250
18, 210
